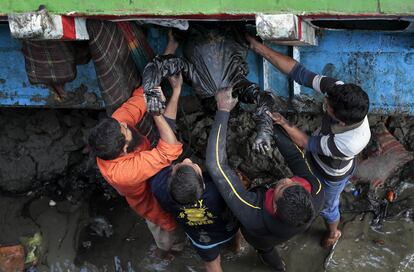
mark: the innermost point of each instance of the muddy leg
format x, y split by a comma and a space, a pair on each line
214, 266
330, 211
332, 235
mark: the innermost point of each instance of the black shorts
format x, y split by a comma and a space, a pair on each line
208, 255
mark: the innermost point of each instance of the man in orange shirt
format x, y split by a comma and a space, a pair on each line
126, 160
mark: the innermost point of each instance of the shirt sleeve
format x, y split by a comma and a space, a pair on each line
319, 83
143, 165
295, 159
132, 111
244, 204
327, 145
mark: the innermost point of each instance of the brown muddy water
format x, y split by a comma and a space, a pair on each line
106, 235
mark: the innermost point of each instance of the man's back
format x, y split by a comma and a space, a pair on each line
334, 148
206, 222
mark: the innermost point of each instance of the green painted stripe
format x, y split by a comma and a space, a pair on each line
397, 7
191, 7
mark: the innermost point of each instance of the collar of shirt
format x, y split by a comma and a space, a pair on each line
303, 182
268, 203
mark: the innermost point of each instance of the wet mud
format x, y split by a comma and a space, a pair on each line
50, 186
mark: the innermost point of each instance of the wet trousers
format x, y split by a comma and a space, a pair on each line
261, 243
167, 240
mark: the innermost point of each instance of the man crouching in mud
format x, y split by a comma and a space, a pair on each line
127, 162
272, 213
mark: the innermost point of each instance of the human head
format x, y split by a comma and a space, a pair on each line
186, 182
110, 138
292, 203
347, 103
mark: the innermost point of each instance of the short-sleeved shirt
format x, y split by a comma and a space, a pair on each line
332, 149
208, 222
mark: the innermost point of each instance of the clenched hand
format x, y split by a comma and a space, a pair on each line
225, 99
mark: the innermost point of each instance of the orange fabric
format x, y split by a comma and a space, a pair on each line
129, 173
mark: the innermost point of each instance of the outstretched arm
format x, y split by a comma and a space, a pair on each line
295, 158
176, 82
172, 44
244, 204
298, 137
283, 63
292, 68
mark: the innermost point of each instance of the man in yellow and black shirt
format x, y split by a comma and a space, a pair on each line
192, 198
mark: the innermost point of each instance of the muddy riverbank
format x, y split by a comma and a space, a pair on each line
50, 186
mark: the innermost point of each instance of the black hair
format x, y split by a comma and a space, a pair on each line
106, 139
295, 207
185, 185
349, 102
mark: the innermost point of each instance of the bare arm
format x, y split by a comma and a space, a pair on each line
283, 63
298, 137
166, 133
176, 82
172, 44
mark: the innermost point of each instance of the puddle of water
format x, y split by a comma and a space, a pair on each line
70, 242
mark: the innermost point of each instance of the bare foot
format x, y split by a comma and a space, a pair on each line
331, 239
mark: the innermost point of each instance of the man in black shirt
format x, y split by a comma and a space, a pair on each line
271, 214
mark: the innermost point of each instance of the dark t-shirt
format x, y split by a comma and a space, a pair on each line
208, 222
249, 205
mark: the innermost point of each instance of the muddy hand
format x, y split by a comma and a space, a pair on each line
155, 101
225, 99
253, 42
262, 143
160, 93
277, 118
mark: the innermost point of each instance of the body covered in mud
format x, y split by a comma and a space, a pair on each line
214, 58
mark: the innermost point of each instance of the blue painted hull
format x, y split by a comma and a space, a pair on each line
382, 63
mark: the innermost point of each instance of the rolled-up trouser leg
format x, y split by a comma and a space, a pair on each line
167, 240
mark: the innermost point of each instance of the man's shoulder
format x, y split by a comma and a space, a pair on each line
211, 193
362, 129
354, 140
161, 177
